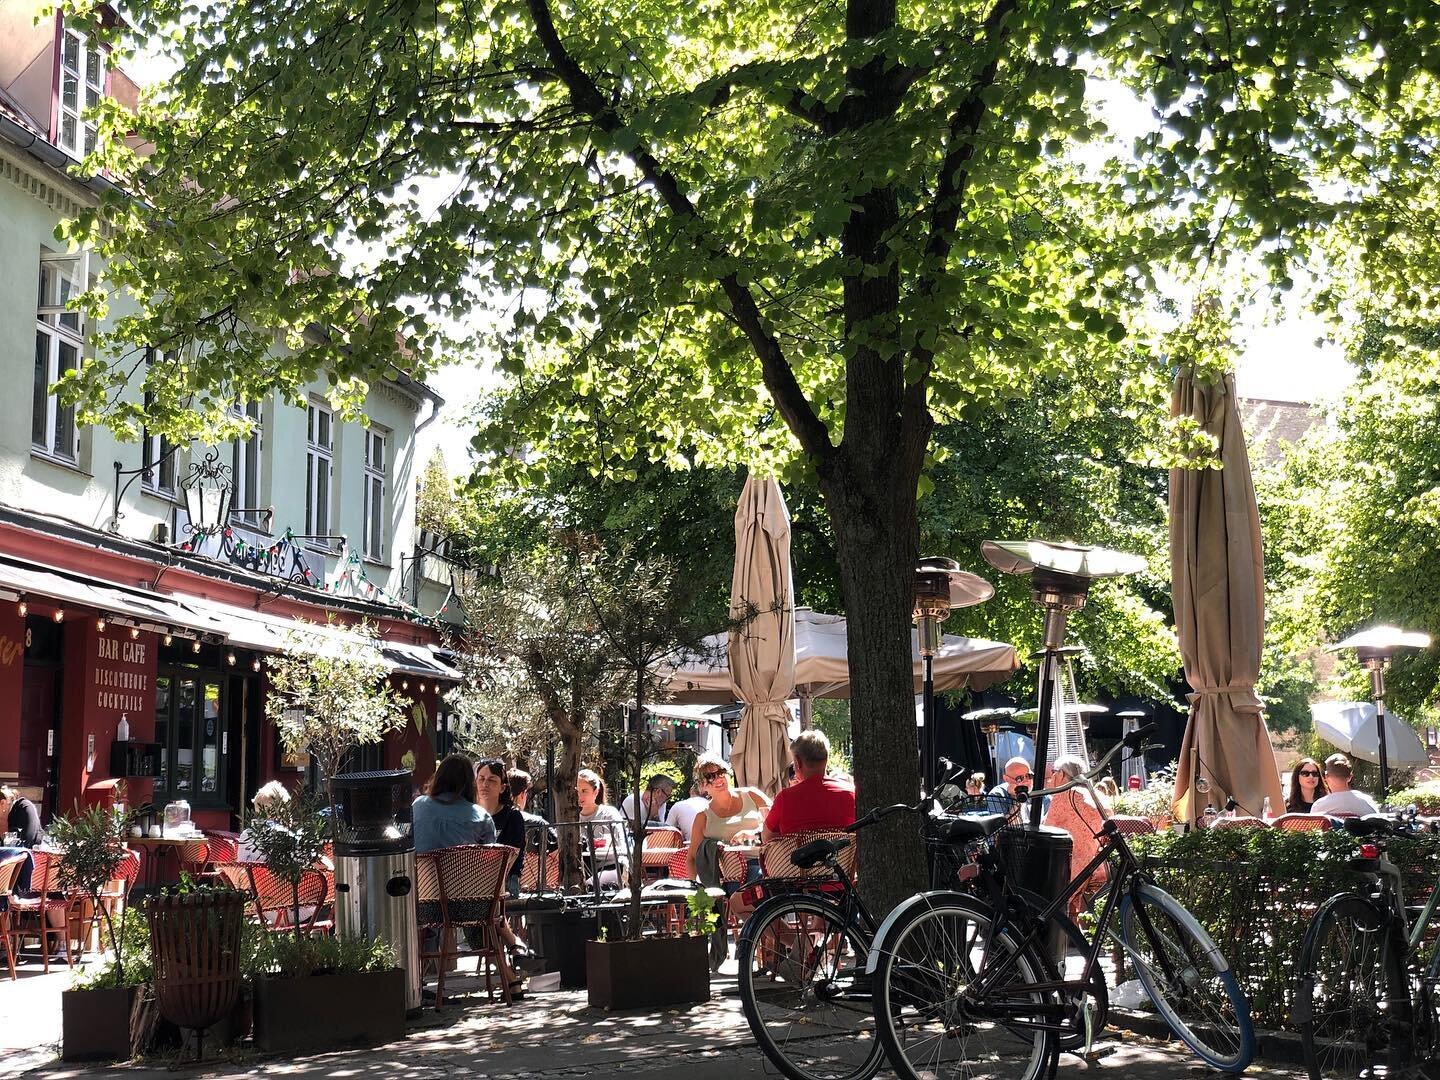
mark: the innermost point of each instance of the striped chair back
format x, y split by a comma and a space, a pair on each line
10, 873
665, 836
461, 885
45, 878
223, 848
275, 901
1302, 822
531, 879
775, 856
192, 857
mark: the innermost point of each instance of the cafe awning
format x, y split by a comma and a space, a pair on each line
241, 627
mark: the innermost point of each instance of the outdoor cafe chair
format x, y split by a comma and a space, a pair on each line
222, 848
1132, 824
1302, 822
1241, 822
540, 873
661, 846
193, 857
275, 900
32, 913
237, 876
9, 874
775, 857
115, 896
456, 887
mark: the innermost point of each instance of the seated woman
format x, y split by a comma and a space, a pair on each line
612, 842
265, 803
492, 790
447, 814
734, 816
1076, 813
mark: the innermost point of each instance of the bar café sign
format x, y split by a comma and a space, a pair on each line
119, 686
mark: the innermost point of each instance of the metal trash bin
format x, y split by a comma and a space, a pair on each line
1037, 860
375, 866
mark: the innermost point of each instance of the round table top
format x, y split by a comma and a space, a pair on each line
165, 839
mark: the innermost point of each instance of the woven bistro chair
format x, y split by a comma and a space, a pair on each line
237, 876
222, 848
1302, 822
660, 847
275, 900
9, 875
193, 857
1243, 822
115, 896
32, 913
532, 879
1132, 824
462, 886
775, 857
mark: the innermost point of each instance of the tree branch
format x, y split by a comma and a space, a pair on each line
779, 378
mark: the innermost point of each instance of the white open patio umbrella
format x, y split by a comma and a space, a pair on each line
822, 668
761, 645
1350, 727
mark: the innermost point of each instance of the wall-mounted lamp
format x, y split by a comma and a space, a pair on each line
230, 659
134, 633
169, 638
22, 607
255, 664
195, 645
100, 624
59, 615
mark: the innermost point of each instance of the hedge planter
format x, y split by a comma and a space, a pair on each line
321, 1011
648, 973
95, 1024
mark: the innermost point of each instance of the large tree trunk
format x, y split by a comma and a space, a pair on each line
564, 800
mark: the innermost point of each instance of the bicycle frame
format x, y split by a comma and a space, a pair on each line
1127, 876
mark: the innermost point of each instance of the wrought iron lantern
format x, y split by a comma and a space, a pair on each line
207, 490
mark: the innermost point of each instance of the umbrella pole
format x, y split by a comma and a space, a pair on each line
1377, 687
927, 736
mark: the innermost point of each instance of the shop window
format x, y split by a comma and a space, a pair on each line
190, 728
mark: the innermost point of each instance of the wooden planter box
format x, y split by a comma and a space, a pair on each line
321, 1011
95, 1024
648, 973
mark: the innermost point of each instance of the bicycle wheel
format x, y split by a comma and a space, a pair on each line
804, 993
932, 1026
1348, 980
1427, 1020
1187, 978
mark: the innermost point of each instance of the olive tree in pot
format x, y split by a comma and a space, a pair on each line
646, 619
96, 1016
314, 991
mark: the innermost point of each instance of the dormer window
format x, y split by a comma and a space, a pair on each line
82, 84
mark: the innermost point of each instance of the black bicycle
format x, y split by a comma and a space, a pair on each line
1367, 1001
802, 952
965, 986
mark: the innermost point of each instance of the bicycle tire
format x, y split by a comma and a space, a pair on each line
785, 983
1427, 1020
1200, 999
921, 967
1350, 972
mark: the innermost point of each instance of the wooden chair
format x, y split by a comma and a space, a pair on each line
32, 913
457, 887
9, 874
1302, 822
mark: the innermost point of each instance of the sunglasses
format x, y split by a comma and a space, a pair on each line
1020, 776
710, 777
1310, 772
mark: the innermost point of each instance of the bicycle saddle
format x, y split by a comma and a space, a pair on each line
817, 851
975, 826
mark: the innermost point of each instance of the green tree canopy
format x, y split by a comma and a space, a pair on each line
770, 232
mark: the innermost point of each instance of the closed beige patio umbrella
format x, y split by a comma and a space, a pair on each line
761, 648
1218, 586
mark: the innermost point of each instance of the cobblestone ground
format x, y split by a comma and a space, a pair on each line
546, 1037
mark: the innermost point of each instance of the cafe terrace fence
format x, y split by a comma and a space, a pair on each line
1256, 890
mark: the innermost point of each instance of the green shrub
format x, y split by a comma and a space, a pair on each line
292, 957
1255, 891
1425, 797
138, 968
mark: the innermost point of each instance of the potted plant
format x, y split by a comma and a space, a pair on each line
96, 1012
316, 991
654, 970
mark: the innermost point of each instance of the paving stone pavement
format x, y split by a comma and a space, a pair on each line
546, 1037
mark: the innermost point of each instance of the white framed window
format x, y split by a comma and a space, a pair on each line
245, 466
319, 468
82, 84
156, 451
377, 445
59, 345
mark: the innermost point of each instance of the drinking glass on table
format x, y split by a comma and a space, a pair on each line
12, 839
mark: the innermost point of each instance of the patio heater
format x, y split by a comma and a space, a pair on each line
989, 721
1375, 648
940, 588
1061, 575
1132, 762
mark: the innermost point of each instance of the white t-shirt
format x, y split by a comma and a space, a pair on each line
683, 814
1345, 802
627, 807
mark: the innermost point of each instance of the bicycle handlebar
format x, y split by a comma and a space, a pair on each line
885, 811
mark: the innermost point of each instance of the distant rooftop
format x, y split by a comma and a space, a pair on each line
1273, 426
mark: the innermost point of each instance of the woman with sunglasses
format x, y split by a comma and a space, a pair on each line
734, 816
1307, 784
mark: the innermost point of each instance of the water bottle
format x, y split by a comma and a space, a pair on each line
1208, 817
1265, 811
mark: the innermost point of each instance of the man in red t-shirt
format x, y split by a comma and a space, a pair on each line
815, 802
